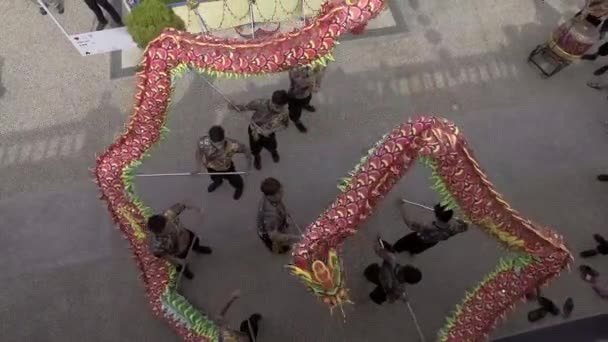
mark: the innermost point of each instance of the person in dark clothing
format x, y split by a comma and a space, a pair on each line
101, 19
171, 241
273, 219
269, 116
425, 236
248, 330
215, 153
389, 277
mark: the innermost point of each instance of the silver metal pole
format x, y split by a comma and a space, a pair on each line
417, 204
189, 174
201, 21
43, 5
229, 101
295, 224
185, 265
409, 307
252, 19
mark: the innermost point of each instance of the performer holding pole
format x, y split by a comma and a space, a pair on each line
272, 220
215, 153
269, 116
304, 80
426, 236
172, 241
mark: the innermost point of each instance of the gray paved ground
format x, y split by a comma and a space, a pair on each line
66, 273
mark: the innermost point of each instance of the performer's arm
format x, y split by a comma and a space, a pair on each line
175, 210
404, 215
603, 29
244, 150
201, 159
251, 106
382, 252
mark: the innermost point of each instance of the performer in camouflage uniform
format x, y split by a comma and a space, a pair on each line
304, 81
270, 116
272, 221
215, 153
171, 241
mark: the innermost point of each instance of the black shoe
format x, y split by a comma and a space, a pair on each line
60, 10
42, 11
602, 249
602, 178
567, 308
202, 249
238, 193
188, 274
588, 253
213, 186
275, 156
101, 25
300, 126
536, 315
600, 239
257, 162
590, 57
548, 305
310, 108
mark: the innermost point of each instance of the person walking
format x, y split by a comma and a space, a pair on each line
94, 5
269, 116
171, 241
425, 236
215, 152
272, 219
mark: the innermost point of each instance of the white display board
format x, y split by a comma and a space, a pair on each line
96, 42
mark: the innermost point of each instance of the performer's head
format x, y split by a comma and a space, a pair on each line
280, 98
271, 187
157, 223
216, 134
442, 214
409, 274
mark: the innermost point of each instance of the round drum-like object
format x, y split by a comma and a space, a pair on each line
573, 39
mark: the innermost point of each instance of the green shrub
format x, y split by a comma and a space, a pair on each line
148, 19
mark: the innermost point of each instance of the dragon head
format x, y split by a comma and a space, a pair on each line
325, 280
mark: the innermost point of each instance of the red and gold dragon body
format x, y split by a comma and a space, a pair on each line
315, 259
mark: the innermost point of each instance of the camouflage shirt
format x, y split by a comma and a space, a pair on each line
267, 118
175, 239
387, 277
438, 231
272, 216
304, 80
218, 158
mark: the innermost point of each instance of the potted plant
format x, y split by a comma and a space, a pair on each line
148, 19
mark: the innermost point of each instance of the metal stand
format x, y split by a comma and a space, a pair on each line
545, 60
303, 15
251, 2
